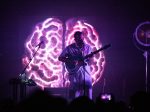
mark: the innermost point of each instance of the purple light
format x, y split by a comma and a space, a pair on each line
106, 96
45, 69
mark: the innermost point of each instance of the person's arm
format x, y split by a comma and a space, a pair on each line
64, 57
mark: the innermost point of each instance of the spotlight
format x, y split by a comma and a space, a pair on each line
142, 36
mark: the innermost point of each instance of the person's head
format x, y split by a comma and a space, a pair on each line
78, 37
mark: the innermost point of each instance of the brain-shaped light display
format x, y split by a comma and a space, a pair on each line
44, 68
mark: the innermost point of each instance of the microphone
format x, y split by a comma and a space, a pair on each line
39, 44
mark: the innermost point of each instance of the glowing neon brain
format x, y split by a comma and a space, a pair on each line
45, 69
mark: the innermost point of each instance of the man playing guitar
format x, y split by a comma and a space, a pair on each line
78, 67
76, 57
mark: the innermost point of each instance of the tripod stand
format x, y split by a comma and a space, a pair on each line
23, 76
146, 70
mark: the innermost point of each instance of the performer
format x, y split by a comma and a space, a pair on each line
78, 68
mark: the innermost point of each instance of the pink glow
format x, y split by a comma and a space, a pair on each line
98, 61
45, 69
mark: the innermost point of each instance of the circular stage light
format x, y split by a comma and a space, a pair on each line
142, 36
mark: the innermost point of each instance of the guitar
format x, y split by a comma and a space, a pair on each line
76, 64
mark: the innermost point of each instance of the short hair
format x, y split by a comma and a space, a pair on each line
77, 34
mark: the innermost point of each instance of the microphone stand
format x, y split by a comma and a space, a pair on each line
84, 67
22, 81
146, 70
23, 76
84, 79
84, 64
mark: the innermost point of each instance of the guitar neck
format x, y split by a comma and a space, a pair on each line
92, 53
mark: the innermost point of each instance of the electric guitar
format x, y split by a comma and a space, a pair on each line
74, 65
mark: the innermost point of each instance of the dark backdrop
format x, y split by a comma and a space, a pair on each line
115, 21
